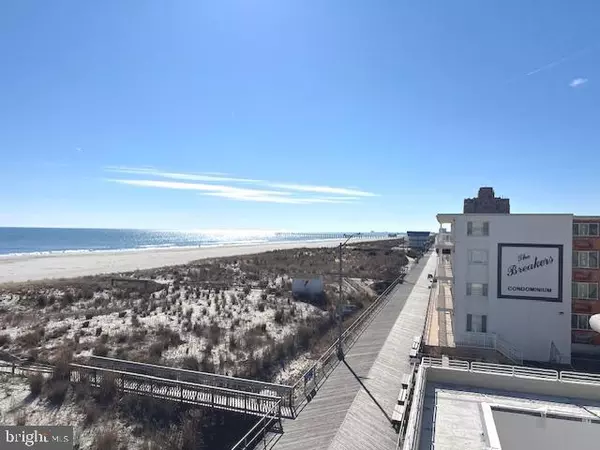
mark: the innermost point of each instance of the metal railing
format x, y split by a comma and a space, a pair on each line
313, 378
490, 341
576, 377
476, 340
505, 369
260, 430
514, 371
508, 350
455, 364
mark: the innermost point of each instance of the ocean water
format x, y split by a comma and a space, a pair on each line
17, 241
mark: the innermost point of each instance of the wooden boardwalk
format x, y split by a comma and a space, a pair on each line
367, 423
180, 391
317, 424
206, 378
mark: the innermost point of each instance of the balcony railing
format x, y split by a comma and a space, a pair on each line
490, 341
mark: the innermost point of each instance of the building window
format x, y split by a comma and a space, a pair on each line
586, 291
479, 289
476, 323
478, 228
586, 229
585, 260
580, 321
478, 257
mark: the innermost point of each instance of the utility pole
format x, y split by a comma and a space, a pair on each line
340, 350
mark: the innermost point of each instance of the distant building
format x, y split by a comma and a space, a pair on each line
418, 239
486, 203
307, 286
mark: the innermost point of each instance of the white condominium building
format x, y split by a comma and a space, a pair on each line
510, 281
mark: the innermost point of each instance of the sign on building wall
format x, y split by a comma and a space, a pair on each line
530, 272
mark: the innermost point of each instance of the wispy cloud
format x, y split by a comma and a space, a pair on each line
218, 177
263, 191
280, 199
215, 188
578, 82
321, 189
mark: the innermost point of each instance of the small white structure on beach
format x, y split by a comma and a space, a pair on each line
307, 286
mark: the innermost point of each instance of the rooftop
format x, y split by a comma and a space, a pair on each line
499, 407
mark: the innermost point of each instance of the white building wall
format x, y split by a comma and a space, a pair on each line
531, 325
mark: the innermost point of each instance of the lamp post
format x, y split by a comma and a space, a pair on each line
340, 350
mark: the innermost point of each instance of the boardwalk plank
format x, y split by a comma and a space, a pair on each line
317, 424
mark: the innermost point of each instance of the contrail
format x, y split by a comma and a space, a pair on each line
560, 61
554, 64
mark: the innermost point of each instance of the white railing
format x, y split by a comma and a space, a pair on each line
476, 340
428, 361
509, 350
575, 377
456, 364
514, 371
410, 439
490, 341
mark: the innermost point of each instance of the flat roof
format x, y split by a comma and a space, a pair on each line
471, 405
453, 418
517, 430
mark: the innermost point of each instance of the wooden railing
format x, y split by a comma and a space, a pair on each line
25, 369
206, 378
175, 390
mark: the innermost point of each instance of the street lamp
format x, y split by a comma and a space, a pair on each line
340, 351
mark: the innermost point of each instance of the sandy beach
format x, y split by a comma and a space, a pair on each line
37, 267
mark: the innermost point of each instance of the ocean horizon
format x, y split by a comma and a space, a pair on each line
16, 241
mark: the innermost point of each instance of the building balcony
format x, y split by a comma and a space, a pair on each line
444, 268
439, 328
444, 241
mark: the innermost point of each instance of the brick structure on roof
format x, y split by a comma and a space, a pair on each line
486, 202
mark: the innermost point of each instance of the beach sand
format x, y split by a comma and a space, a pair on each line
37, 267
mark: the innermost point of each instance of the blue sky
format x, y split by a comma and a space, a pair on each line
296, 114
